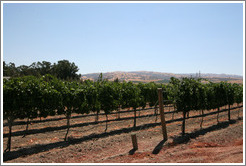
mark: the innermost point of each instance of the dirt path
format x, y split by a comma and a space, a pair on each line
220, 146
89, 143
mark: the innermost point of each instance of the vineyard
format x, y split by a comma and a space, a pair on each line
101, 109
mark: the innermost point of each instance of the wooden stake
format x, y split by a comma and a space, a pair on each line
134, 141
96, 117
163, 122
229, 112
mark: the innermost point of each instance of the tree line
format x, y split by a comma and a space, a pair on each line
30, 97
63, 69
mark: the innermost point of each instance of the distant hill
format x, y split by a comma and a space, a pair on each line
148, 76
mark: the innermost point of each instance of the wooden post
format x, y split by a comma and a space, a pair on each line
183, 124
118, 114
134, 141
163, 122
96, 117
229, 113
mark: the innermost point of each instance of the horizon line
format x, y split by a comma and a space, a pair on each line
162, 73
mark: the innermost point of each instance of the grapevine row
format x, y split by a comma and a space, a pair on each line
30, 97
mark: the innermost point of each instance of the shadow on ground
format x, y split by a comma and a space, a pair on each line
186, 138
23, 122
132, 151
46, 147
177, 140
49, 129
158, 148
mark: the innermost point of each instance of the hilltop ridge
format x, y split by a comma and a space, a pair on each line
161, 77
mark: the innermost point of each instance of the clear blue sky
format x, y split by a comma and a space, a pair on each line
176, 38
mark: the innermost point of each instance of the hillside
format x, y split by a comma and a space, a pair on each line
148, 76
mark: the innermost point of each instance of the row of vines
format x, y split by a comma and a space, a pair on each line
30, 97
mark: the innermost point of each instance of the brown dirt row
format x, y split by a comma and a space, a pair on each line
115, 146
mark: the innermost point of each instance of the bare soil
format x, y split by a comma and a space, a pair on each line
89, 143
